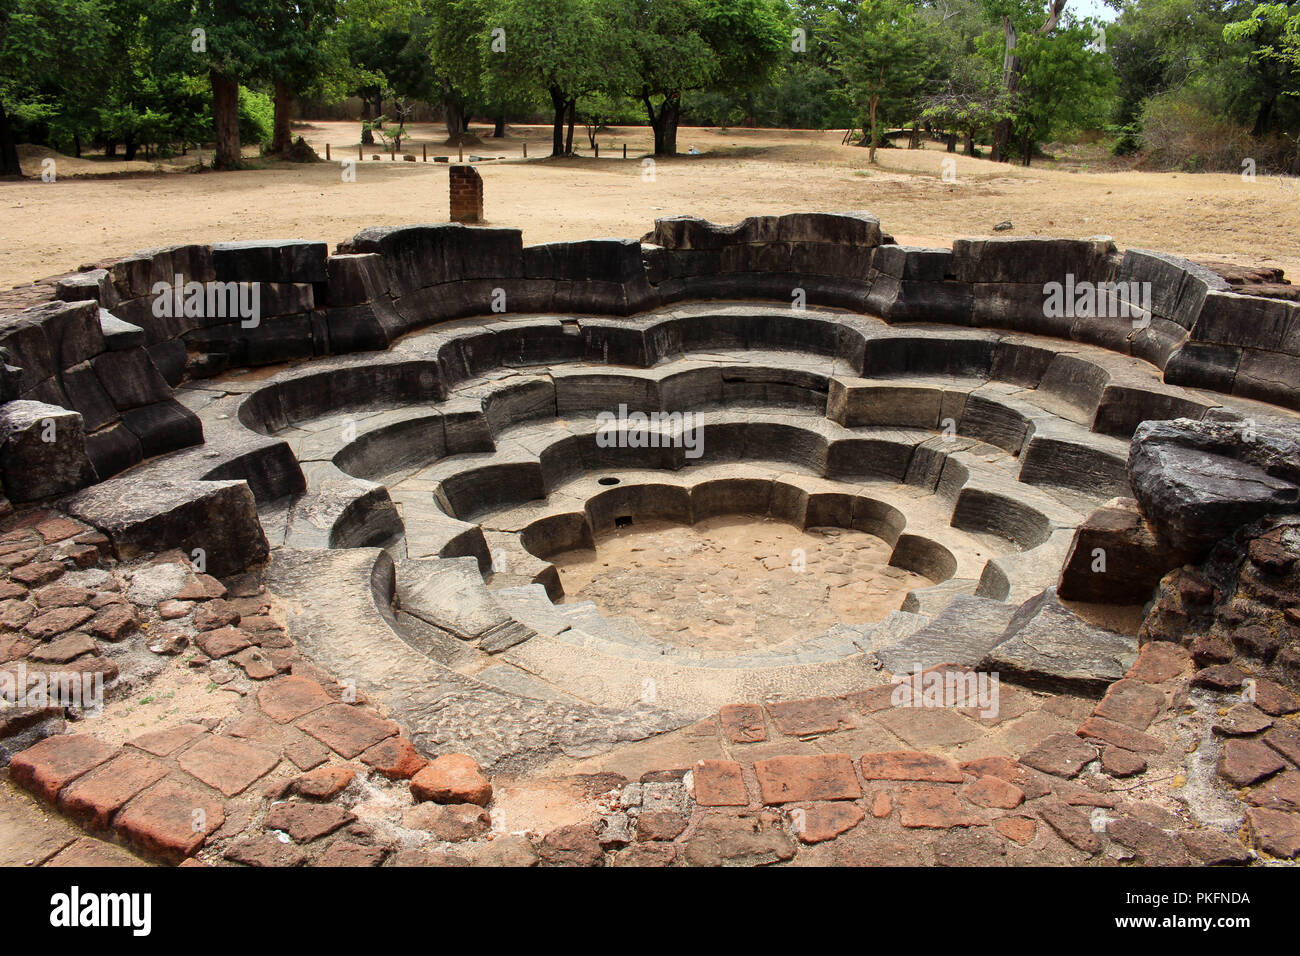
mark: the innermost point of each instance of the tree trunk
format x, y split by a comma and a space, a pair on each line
950, 141
225, 120
970, 142
560, 104
1264, 115
367, 134
379, 110
452, 116
9, 164
568, 139
499, 128
130, 147
282, 135
664, 121
1026, 149
875, 131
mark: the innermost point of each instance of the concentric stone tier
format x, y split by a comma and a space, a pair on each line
473, 446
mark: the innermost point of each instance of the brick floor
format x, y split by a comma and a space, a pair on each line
821, 777
347, 729
227, 763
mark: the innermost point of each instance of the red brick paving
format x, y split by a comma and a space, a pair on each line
289, 698
223, 641
1073, 826
305, 822
1108, 731
170, 820
910, 765
164, 743
1160, 661
813, 715
818, 822
990, 791
819, 777
396, 758
50, 765
93, 798
347, 729
719, 783
228, 764
743, 723
1243, 762
934, 808
452, 778
323, 783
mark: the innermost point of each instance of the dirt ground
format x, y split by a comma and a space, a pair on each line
737, 583
97, 208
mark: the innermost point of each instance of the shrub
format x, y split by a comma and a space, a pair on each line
256, 117
1180, 133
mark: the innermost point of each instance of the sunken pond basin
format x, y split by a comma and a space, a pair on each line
549, 500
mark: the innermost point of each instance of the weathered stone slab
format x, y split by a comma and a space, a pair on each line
1116, 557
42, 451
1199, 481
1049, 646
963, 634
218, 518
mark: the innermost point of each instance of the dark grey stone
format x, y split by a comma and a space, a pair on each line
163, 427
258, 260
218, 518
1047, 646
119, 335
961, 634
81, 385
130, 378
1197, 482
42, 451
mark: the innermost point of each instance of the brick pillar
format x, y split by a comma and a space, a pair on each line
466, 194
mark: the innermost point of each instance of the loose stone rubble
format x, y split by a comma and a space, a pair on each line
327, 632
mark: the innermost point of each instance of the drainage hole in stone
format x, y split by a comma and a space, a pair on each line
624, 522
610, 480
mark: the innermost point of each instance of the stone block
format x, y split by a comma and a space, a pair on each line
42, 451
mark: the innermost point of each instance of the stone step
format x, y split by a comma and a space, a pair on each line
962, 634
590, 673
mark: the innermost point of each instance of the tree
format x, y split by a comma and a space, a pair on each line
1273, 32
1064, 84
223, 38
37, 39
1029, 15
673, 47
453, 38
364, 43
878, 47
295, 32
560, 49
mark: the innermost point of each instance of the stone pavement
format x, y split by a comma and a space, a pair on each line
277, 763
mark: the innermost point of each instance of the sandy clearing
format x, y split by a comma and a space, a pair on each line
49, 228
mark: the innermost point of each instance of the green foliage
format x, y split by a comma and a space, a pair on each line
1188, 83
256, 117
878, 49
